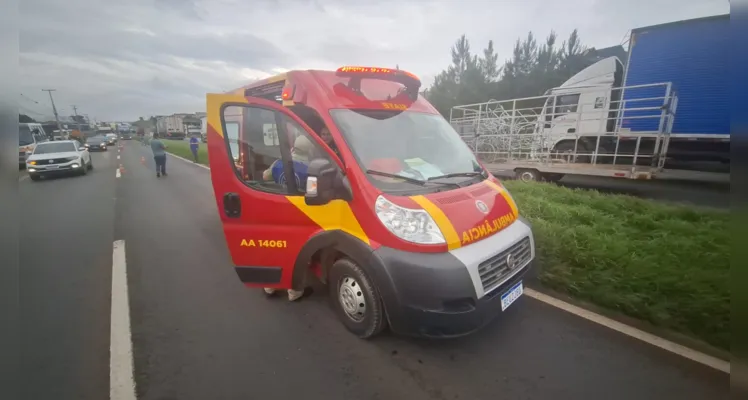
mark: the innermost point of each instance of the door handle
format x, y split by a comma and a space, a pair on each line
232, 205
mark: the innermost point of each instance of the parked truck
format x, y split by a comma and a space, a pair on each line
666, 107
174, 127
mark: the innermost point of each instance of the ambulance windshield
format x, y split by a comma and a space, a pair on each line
417, 146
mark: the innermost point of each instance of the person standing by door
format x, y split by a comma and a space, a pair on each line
159, 155
194, 146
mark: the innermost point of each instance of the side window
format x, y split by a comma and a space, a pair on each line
567, 104
255, 158
266, 147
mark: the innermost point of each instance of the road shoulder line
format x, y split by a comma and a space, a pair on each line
121, 375
630, 331
609, 323
188, 161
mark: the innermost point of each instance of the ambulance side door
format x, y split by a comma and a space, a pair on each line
249, 145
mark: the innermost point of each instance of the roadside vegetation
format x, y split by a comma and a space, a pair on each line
182, 149
662, 263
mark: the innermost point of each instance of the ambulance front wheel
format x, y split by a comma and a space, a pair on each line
355, 299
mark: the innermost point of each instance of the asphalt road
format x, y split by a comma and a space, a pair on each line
65, 260
199, 334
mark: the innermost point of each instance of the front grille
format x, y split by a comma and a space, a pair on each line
495, 270
56, 161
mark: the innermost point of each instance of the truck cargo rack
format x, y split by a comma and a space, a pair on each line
547, 137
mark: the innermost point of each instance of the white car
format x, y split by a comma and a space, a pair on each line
59, 157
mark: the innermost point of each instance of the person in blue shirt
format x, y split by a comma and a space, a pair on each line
194, 146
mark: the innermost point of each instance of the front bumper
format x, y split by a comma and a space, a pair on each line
439, 294
54, 169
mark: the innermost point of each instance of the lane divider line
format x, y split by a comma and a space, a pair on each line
118, 172
121, 374
118, 156
635, 333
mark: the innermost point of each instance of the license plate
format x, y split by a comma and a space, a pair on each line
511, 295
53, 166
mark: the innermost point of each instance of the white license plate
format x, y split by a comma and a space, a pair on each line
53, 166
511, 295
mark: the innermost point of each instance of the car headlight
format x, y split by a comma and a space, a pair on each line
411, 225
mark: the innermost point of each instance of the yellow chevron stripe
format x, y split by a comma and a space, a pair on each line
444, 224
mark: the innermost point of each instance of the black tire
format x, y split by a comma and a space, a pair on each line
552, 177
34, 177
527, 175
373, 319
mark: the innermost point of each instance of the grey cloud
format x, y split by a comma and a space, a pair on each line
127, 58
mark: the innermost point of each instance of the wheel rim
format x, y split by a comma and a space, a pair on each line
351, 298
527, 176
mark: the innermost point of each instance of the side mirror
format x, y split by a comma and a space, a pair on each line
321, 182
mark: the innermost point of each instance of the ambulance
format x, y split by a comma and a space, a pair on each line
352, 177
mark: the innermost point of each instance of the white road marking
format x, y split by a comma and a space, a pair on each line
23, 178
118, 156
118, 174
189, 161
121, 376
649, 338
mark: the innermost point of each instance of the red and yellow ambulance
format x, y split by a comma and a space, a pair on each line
354, 177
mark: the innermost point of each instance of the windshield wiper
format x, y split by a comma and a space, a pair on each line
388, 175
456, 174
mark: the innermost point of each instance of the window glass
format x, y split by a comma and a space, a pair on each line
265, 154
412, 145
567, 104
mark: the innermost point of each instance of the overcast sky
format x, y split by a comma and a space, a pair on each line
121, 59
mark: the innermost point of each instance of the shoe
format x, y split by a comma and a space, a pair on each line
158, 175
294, 295
164, 174
269, 291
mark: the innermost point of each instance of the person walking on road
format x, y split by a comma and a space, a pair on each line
194, 146
159, 155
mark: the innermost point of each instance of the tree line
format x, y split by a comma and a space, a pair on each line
533, 68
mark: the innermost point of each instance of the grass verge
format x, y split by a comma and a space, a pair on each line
662, 263
182, 149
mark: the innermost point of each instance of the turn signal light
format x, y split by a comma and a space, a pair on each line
288, 92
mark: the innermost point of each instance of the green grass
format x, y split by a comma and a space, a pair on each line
182, 149
662, 263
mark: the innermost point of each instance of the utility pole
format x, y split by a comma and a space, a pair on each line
54, 109
78, 122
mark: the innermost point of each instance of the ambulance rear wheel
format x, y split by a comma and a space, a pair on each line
355, 299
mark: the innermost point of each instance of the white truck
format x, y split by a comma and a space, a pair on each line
174, 127
611, 120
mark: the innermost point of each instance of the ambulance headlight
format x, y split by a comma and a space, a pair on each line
411, 225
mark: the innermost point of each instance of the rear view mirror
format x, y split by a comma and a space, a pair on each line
325, 183
320, 182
